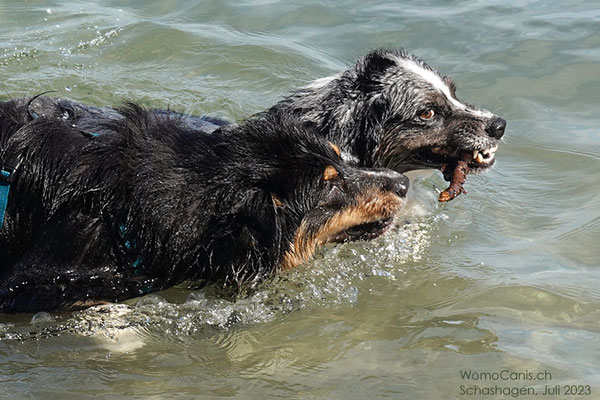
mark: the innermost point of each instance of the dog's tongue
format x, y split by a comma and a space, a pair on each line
456, 174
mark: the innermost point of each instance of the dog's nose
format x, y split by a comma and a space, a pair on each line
496, 128
396, 182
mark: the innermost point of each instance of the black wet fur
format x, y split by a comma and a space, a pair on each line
371, 111
108, 204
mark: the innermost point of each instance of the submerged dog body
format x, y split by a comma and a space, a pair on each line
139, 201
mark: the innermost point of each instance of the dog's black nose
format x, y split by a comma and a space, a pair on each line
396, 182
496, 128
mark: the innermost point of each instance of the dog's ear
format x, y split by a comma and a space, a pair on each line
375, 63
370, 71
245, 245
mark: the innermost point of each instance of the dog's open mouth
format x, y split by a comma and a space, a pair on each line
442, 156
455, 164
367, 231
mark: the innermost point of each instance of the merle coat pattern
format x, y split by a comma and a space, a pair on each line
390, 110
393, 110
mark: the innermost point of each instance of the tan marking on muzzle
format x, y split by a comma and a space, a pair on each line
372, 206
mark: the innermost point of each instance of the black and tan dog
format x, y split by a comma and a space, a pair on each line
114, 207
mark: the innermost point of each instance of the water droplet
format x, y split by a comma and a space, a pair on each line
42, 318
150, 300
234, 318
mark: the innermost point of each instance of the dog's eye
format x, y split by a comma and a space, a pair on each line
427, 115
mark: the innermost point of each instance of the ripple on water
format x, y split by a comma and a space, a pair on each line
331, 279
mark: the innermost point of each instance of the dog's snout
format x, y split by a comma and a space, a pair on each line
396, 183
496, 128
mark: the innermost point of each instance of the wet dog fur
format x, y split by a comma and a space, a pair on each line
140, 201
389, 110
393, 110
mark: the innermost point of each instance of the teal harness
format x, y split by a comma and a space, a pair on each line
7, 174
8, 170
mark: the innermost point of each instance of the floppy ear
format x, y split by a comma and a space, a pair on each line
245, 244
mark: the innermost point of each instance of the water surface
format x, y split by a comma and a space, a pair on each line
505, 278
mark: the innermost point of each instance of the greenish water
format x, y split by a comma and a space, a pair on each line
505, 278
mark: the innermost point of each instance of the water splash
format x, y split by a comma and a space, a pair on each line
335, 277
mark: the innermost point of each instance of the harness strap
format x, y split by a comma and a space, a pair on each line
7, 173
131, 246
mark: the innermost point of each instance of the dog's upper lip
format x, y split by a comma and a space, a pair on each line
481, 158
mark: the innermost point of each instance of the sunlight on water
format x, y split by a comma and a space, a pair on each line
504, 277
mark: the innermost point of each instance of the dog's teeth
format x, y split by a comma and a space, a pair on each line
475, 154
479, 158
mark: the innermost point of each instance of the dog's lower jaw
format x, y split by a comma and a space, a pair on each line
366, 231
305, 245
441, 157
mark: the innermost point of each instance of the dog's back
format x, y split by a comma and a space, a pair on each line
140, 201
96, 188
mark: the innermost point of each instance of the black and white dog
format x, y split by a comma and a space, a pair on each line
393, 110
389, 110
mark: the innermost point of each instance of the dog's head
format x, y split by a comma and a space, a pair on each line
344, 203
393, 110
423, 124
316, 196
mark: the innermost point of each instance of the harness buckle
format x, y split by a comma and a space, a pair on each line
7, 174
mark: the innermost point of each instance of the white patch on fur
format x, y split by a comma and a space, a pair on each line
319, 83
349, 158
436, 81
